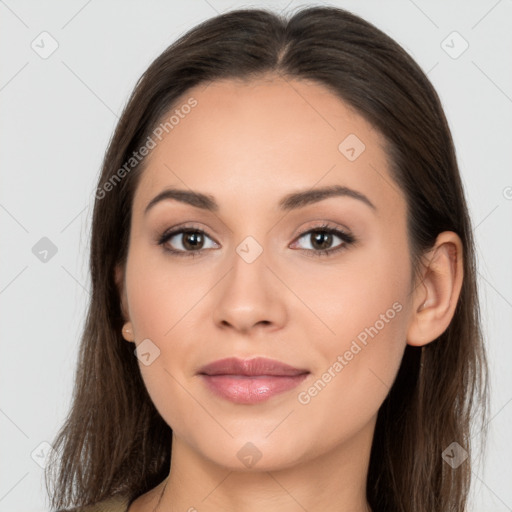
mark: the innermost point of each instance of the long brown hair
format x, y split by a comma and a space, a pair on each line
114, 442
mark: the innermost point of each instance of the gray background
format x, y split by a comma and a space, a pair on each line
58, 114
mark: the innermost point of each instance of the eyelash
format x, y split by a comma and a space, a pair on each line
347, 238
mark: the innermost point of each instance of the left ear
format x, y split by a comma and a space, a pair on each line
437, 294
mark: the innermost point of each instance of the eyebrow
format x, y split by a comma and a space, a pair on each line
289, 202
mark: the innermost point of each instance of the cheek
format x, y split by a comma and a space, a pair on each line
367, 288
161, 302
159, 295
356, 368
365, 305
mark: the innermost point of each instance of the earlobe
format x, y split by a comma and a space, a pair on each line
128, 332
436, 298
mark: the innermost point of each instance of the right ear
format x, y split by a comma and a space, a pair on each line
127, 331
119, 279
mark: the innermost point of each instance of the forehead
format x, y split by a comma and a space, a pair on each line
263, 139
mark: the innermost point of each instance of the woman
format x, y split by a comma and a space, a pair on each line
284, 312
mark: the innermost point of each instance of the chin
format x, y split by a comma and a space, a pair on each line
243, 455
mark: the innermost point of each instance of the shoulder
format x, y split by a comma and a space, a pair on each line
113, 504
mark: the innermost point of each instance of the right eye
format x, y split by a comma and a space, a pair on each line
186, 241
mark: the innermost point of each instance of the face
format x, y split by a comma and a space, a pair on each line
318, 282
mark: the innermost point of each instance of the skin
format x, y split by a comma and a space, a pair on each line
248, 145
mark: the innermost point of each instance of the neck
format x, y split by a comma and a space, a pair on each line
331, 481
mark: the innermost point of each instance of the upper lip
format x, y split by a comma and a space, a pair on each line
250, 367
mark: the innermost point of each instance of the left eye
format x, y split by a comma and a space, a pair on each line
321, 240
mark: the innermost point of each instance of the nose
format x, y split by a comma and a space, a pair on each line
251, 297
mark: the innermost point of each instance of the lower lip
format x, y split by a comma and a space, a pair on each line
251, 390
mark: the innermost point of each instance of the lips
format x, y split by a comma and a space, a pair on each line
250, 381
250, 367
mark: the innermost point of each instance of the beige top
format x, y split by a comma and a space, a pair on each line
114, 504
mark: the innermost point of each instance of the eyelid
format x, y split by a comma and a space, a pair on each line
185, 226
322, 223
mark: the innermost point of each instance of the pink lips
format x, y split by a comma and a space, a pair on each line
250, 381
